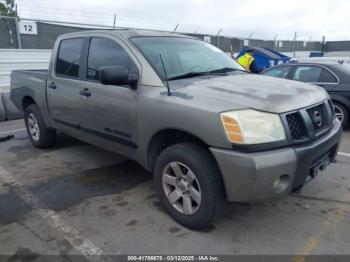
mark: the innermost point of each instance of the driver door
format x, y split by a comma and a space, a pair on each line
109, 111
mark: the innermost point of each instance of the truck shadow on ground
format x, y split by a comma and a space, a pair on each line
62, 141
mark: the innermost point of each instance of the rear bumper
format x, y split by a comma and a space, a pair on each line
255, 176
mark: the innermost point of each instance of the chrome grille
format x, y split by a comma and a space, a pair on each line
307, 123
332, 108
296, 126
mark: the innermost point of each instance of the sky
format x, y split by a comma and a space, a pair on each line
264, 19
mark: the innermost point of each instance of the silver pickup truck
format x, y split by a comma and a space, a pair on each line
205, 128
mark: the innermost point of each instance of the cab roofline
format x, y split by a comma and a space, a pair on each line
128, 33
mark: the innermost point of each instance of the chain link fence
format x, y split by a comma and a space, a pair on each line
8, 33
49, 30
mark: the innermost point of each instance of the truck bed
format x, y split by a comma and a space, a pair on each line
31, 83
38, 72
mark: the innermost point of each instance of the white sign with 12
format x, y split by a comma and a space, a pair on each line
28, 28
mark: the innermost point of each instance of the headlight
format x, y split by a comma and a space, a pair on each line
252, 127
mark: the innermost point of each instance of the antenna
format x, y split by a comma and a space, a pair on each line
166, 75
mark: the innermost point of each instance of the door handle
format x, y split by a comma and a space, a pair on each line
52, 85
85, 92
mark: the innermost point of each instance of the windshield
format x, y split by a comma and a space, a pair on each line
183, 56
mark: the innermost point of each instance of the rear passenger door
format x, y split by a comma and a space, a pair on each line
315, 75
64, 101
109, 110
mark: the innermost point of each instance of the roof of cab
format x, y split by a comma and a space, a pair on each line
127, 33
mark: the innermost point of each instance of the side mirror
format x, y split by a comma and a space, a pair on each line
117, 75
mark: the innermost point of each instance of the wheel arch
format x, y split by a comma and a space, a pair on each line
341, 100
26, 101
165, 138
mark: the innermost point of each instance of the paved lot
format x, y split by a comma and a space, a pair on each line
77, 199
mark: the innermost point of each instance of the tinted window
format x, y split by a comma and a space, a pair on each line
105, 52
68, 59
280, 72
327, 77
307, 73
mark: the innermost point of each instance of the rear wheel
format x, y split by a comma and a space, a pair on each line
341, 114
39, 134
189, 184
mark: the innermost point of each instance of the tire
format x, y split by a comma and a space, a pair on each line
207, 181
39, 134
340, 109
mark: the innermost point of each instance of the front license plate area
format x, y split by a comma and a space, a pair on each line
320, 166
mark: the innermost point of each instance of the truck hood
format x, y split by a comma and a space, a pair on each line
255, 91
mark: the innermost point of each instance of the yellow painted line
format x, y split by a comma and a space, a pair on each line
328, 224
306, 249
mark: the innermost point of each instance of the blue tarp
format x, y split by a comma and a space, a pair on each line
264, 57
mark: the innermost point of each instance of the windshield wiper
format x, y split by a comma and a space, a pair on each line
192, 74
226, 70
219, 71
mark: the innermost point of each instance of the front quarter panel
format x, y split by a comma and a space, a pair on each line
158, 112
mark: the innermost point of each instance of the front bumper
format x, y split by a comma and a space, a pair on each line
252, 177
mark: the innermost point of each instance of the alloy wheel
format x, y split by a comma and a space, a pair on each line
181, 188
339, 114
33, 127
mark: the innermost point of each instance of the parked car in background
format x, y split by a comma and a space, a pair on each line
332, 76
323, 59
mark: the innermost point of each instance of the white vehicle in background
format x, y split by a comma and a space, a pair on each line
324, 59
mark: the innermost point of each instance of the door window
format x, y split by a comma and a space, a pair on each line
68, 59
280, 72
106, 52
307, 74
327, 77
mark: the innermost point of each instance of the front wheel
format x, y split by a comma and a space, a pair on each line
341, 114
189, 184
39, 134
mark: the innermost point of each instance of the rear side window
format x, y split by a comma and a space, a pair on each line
327, 77
307, 74
280, 72
68, 59
106, 52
